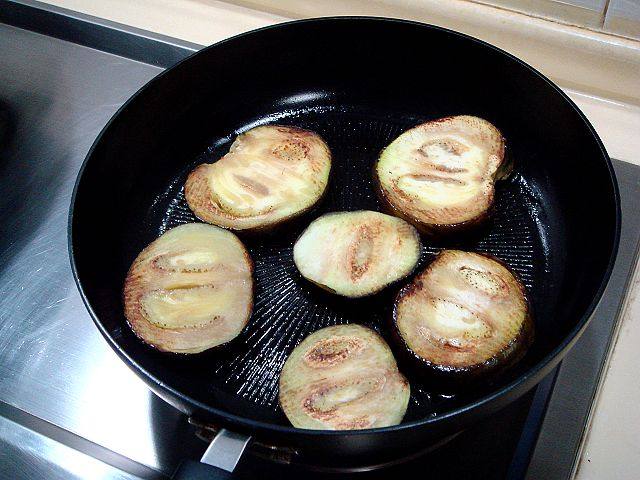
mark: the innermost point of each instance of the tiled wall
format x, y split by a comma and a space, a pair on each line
621, 17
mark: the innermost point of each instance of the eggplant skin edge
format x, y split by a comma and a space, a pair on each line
178, 354
459, 378
218, 348
373, 292
444, 230
434, 230
274, 226
404, 382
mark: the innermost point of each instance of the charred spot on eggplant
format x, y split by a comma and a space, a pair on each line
271, 174
355, 254
343, 377
190, 290
465, 316
440, 175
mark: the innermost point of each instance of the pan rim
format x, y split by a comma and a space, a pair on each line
518, 385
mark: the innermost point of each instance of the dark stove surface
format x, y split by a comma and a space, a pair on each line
68, 407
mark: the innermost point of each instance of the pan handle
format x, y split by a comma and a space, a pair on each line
218, 461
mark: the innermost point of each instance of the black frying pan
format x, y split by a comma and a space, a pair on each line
358, 82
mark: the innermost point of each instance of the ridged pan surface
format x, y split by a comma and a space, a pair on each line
287, 308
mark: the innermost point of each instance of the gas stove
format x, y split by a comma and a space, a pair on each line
69, 408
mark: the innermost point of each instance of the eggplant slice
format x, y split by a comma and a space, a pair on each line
190, 290
355, 254
271, 174
343, 377
440, 175
466, 315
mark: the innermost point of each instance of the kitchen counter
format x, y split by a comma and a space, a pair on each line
612, 449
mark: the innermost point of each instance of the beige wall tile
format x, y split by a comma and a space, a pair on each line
587, 13
623, 18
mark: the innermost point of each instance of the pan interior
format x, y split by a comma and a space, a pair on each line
242, 378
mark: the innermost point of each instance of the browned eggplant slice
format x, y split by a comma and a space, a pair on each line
464, 316
440, 175
343, 377
190, 290
355, 254
271, 174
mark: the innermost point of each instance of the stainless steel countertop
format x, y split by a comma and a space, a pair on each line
54, 364
68, 406
31, 455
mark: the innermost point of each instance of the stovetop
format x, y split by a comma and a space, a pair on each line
69, 408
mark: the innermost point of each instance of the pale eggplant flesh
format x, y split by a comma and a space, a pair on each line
190, 290
343, 377
441, 175
355, 254
271, 174
465, 317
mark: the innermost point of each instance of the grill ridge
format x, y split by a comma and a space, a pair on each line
286, 309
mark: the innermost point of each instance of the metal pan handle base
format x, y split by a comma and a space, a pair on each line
218, 461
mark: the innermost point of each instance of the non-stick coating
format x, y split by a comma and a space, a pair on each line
358, 83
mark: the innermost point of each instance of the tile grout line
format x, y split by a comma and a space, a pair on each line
603, 15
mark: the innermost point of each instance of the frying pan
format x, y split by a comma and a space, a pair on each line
358, 82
